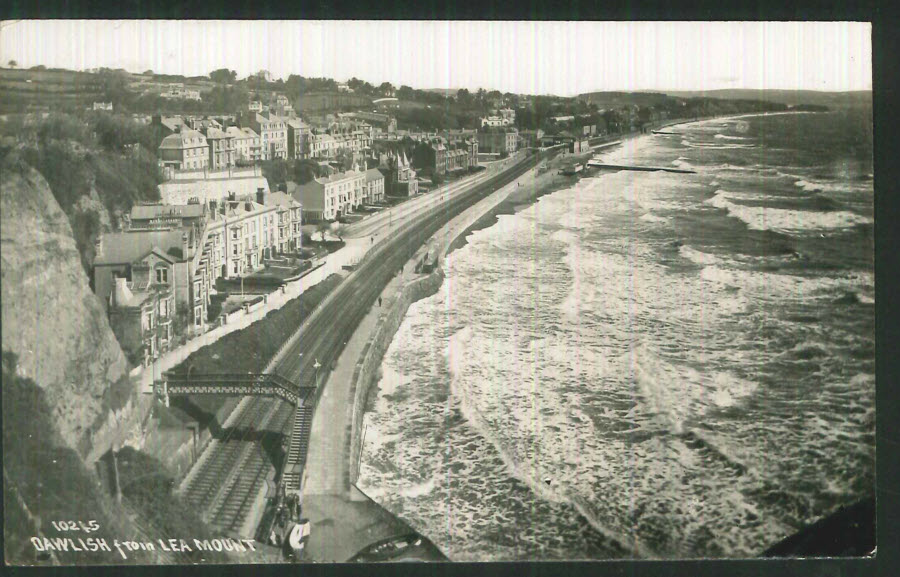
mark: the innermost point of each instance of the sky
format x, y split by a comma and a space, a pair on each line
562, 58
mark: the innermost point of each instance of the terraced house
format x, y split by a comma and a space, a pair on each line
330, 197
272, 132
186, 149
221, 147
247, 144
289, 221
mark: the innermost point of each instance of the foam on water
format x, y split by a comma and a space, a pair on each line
785, 220
571, 375
727, 137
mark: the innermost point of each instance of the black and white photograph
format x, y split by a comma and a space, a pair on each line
384, 291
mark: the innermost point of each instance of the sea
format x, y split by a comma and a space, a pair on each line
646, 364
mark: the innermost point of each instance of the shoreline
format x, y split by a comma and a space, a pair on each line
453, 235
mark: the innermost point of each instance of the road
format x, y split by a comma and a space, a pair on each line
401, 213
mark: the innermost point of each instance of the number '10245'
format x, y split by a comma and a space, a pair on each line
88, 527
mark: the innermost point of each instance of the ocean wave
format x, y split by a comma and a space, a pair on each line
648, 217
726, 137
689, 144
533, 474
696, 256
785, 220
681, 393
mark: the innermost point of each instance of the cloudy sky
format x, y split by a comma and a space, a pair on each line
563, 58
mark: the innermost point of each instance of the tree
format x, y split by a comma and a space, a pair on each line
148, 73
223, 76
463, 97
339, 231
13, 64
305, 170
405, 93
345, 157
386, 89
322, 227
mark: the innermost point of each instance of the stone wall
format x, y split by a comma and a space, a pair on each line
370, 360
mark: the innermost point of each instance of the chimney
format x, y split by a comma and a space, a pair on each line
185, 246
232, 196
213, 206
260, 195
248, 206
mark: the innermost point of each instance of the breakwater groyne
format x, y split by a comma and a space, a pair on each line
598, 164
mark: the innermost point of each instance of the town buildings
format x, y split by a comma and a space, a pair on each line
531, 138
222, 148
247, 145
297, 138
498, 140
374, 186
186, 149
400, 177
383, 122
202, 187
272, 132
330, 197
141, 311
178, 91
125, 255
239, 234
289, 221
166, 216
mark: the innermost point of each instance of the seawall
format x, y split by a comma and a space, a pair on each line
367, 367
369, 363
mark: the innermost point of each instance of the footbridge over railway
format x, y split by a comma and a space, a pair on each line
272, 385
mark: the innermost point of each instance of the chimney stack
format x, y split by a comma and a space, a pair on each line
260, 195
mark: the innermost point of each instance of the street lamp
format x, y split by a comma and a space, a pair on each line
316, 366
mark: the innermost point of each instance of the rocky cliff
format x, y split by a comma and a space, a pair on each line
51, 320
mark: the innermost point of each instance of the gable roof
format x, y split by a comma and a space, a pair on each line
126, 247
282, 199
311, 195
373, 174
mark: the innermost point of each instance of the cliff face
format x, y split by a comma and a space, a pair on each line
51, 319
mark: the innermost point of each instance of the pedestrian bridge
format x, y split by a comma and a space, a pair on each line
232, 384
260, 385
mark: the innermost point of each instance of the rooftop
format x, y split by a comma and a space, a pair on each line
282, 199
147, 211
373, 174
187, 138
126, 247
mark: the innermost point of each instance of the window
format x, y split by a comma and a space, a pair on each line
198, 316
162, 275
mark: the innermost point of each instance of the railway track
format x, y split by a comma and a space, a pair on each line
238, 465
226, 486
